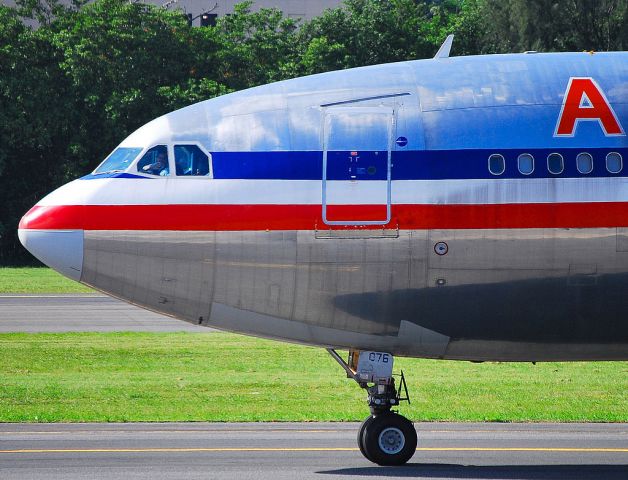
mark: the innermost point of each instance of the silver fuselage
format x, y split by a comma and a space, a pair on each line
419, 250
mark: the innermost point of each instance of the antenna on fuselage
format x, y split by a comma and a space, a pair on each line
445, 48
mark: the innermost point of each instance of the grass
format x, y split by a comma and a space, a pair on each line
124, 377
37, 280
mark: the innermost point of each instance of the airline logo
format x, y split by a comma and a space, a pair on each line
585, 101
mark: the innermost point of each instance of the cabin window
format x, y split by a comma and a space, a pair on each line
555, 163
614, 162
496, 164
118, 160
584, 162
190, 160
525, 163
155, 161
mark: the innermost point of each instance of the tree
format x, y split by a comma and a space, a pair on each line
46, 11
256, 47
367, 32
556, 25
33, 117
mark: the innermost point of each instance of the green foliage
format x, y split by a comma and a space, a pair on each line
194, 90
556, 25
93, 72
33, 119
257, 47
366, 32
45, 11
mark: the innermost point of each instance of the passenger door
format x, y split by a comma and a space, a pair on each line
357, 143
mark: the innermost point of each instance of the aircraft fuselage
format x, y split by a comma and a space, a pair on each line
464, 208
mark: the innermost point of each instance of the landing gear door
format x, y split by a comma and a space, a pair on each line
357, 143
375, 367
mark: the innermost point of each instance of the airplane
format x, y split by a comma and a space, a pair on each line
469, 208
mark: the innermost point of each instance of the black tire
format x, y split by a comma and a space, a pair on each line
365, 423
389, 439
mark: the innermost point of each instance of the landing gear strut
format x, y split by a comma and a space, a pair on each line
385, 437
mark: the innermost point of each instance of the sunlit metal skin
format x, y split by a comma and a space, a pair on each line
358, 209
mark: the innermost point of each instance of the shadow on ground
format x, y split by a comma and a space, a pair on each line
510, 472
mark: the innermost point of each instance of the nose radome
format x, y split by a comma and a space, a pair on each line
59, 249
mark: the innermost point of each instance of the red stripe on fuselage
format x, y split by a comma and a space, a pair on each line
308, 217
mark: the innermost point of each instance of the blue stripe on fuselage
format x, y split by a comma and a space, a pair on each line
411, 165
406, 165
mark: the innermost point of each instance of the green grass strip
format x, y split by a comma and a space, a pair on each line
125, 377
37, 280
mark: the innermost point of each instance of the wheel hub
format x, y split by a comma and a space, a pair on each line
391, 440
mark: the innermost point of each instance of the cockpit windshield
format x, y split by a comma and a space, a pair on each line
119, 160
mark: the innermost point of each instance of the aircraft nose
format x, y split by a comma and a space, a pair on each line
60, 249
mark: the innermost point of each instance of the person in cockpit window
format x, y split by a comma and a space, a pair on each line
182, 165
160, 165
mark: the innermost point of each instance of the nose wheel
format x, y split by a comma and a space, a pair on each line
385, 437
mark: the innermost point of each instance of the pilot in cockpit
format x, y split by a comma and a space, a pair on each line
160, 165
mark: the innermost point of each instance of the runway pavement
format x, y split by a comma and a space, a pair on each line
82, 313
314, 450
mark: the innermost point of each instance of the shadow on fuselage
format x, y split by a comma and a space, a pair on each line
588, 309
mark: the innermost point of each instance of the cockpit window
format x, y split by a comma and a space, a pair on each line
155, 161
190, 160
118, 160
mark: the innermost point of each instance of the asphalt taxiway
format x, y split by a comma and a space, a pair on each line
297, 451
82, 313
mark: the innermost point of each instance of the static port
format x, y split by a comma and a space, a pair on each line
441, 248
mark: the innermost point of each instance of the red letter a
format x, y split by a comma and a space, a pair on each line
584, 100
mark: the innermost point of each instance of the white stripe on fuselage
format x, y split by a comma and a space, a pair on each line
307, 192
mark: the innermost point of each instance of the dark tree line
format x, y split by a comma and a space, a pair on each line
73, 88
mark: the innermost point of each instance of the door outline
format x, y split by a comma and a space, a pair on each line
391, 123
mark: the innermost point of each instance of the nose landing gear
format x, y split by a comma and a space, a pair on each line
385, 437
